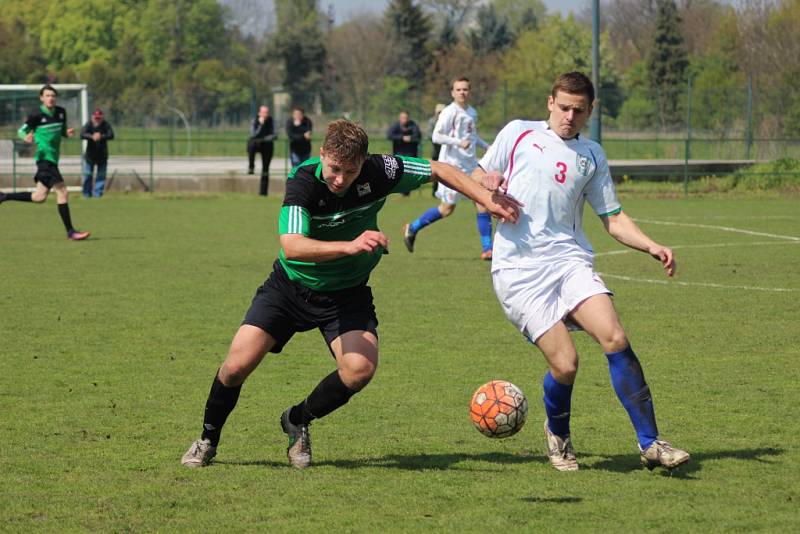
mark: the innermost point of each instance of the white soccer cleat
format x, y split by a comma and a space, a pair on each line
661, 453
299, 449
560, 451
199, 454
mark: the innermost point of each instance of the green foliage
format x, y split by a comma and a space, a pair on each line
667, 63
391, 99
520, 15
410, 31
492, 33
782, 175
299, 48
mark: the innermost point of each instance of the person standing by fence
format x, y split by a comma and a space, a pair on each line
96, 132
262, 135
298, 129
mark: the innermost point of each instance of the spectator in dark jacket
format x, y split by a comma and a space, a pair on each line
299, 128
405, 136
262, 135
97, 132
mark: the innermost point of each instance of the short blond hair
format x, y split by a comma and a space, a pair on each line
346, 141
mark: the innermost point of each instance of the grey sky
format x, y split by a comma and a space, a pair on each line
346, 9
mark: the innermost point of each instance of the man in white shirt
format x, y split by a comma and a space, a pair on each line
456, 132
542, 268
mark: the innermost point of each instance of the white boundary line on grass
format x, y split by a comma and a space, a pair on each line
722, 228
792, 241
698, 284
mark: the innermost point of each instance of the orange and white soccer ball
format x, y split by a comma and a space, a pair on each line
498, 409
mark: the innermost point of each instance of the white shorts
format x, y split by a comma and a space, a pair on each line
451, 196
536, 298
447, 195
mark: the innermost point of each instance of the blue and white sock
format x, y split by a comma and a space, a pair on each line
634, 394
557, 402
485, 230
430, 216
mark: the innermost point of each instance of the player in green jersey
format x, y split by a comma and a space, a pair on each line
46, 127
330, 242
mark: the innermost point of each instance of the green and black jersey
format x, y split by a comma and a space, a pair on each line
311, 209
48, 128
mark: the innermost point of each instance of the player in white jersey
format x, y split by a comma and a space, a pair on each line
542, 268
456, 131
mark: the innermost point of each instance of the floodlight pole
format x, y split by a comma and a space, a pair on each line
595, 125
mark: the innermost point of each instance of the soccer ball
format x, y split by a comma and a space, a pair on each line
498, 409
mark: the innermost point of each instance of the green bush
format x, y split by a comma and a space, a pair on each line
781, 174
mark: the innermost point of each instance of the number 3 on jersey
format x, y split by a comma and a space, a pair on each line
561, 177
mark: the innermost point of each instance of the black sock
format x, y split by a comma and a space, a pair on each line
22, 197
330, 394
63, 210
221, 402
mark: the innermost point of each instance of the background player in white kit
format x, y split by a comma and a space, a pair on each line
456, 131
542, 268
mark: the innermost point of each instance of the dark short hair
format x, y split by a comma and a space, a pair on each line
298, 108
47, 87
459, 79
346, 141
574, 83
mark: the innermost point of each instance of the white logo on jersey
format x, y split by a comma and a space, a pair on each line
332, 224
390, 166
583, 165
44, 119
363, 189
321, 202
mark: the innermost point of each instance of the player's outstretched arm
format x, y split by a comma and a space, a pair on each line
298, 247
626, 231
493, 181
502, 206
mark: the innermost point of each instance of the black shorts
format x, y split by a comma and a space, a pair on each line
282, 307
47, 174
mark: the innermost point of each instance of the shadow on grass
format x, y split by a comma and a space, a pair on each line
413, 462
624, 463
617, 463
548, 500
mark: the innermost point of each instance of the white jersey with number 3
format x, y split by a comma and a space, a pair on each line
552, 177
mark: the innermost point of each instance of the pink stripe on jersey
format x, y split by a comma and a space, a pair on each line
511, 164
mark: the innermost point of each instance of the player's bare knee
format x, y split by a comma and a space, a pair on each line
564, 372
356, 377
38, 198
615, 341
232, 375
446, 209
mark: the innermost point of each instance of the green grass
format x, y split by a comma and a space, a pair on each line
108, 348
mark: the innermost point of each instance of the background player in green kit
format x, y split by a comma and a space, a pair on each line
330, 242
46, 127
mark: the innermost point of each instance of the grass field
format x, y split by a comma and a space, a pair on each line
108, 348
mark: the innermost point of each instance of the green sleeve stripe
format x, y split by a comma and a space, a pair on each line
293, 220
417, 169
23, 131
616, 211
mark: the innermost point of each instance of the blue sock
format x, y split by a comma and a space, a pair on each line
485, 230
634, 394
557, 401
430, 216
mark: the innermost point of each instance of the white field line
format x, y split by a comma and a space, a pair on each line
709, 245
721, 228
699, 284
792, 241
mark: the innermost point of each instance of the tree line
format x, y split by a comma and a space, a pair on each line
736, 67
